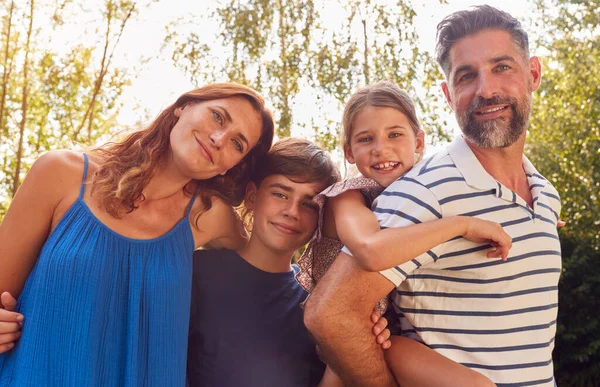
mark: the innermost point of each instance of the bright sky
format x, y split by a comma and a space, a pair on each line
159, 82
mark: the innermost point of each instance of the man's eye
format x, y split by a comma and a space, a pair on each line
279, 195
503, 67
466, 77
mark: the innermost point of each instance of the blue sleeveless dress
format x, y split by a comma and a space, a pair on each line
102, 309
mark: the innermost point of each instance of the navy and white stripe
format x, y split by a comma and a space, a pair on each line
496, 317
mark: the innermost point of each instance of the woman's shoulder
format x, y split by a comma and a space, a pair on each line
59, 167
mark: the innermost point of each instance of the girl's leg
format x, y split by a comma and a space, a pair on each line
415, 365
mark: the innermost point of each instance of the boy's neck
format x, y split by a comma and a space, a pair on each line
266, 259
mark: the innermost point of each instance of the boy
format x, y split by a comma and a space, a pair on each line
246, 325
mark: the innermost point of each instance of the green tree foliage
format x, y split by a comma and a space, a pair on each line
284, 47
53, 98
564, 144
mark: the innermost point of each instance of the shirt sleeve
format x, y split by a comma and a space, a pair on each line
407, 202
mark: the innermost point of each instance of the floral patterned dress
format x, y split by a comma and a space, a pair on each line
321, 250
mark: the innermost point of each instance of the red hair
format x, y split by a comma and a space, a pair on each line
130, 164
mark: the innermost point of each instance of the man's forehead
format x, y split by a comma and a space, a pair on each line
482, 47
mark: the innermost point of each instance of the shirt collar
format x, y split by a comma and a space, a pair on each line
471, 169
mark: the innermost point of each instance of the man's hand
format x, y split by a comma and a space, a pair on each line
380, 329
10, 322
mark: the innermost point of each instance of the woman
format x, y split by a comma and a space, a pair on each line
98, 247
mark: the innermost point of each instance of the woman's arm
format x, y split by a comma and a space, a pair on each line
28, 222
377, 249
221, 227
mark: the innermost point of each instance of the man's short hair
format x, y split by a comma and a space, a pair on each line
469, 22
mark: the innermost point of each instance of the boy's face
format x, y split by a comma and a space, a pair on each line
285, 216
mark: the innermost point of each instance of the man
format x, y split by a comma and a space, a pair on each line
246, 324
498, 318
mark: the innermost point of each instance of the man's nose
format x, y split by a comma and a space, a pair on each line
487, 86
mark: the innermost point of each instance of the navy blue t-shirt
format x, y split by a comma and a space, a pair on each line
246, 326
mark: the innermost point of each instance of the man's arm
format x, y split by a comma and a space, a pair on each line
337, 311
337, 314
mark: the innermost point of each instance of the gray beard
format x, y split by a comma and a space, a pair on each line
501, 132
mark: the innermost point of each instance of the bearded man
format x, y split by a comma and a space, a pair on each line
495, 317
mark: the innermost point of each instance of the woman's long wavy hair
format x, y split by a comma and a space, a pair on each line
130, 164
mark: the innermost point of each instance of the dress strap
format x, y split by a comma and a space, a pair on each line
85, 168
187, 213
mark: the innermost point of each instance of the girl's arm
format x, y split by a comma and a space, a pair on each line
27, 223
376, 249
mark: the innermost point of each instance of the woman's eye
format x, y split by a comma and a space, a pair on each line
217, 117
238, 145
395, 134
364, 139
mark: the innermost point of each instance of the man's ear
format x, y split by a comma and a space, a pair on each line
250, 196
420, 142
535, 69
447, 93
348, 154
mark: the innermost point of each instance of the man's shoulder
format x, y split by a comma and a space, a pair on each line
427, 174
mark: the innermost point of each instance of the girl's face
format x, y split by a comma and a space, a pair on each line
383, 144
211, 137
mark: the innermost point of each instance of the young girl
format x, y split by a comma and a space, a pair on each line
98, 247
382, 136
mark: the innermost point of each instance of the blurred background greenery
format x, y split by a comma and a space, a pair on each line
74, 73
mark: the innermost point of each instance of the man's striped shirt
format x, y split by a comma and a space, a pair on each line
496, 317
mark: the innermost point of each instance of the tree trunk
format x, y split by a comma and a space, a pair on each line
104, 65
285, 121
16, 180
7, 67
366, 53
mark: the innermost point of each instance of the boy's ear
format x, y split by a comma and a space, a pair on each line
250, 196
348, 154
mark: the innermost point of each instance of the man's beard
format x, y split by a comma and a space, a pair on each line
500, 132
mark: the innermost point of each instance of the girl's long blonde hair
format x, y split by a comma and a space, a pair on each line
130, 164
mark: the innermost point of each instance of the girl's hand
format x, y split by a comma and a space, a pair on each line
10, 322
560, 223
483, 231
380, 330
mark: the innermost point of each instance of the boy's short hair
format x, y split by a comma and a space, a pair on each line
300, 161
